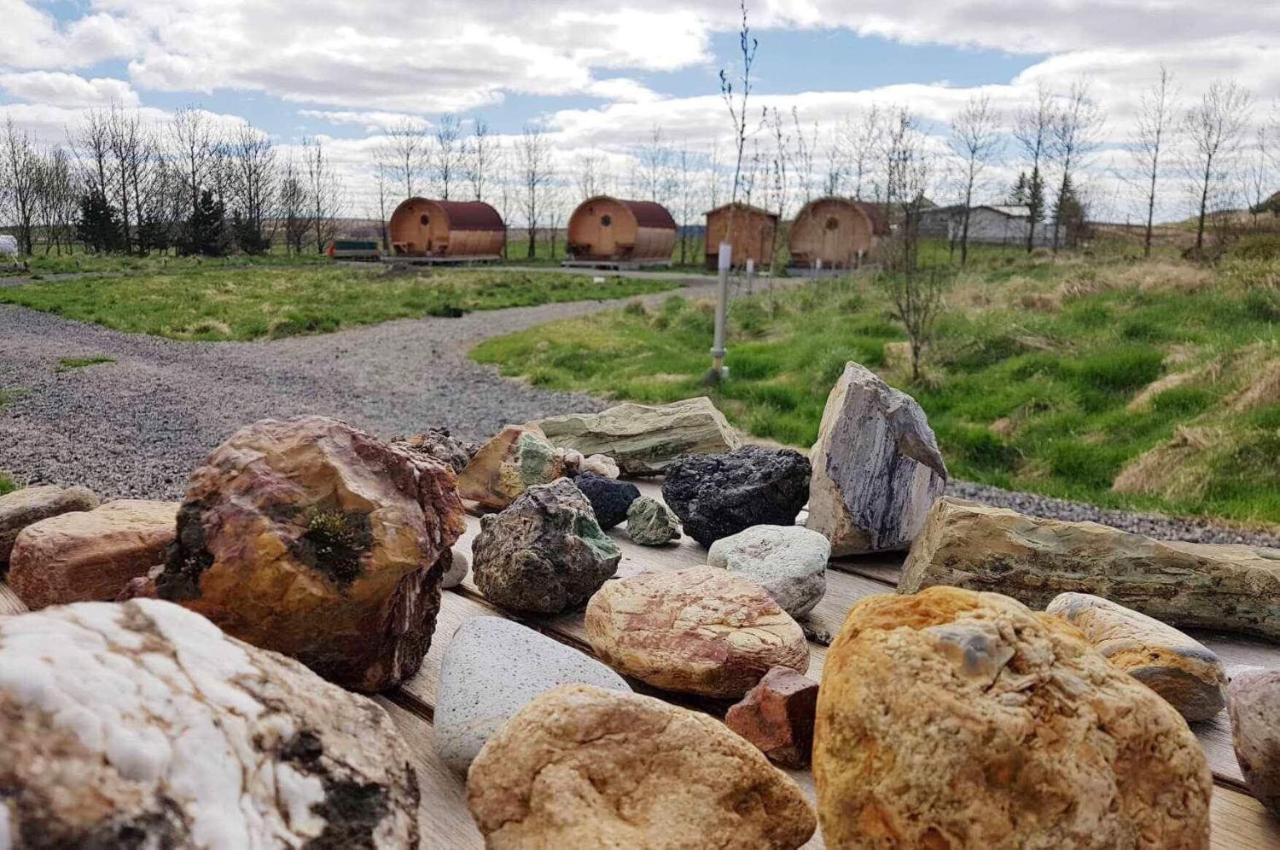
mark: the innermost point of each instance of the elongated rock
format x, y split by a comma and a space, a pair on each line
876, 467
1228, 587
32, 504
1176, 666
583, 767
1254, 706
141, 725
643, 438
90, 555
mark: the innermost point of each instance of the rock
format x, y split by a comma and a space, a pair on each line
643, 438
876, 467
32, 504
959, 719
292, 525
700, 631
1253, 702
609, 499
492, 668
1177, 667
456, 568
651, 523
777, 716
719, 495
90, 555
507, 465
586, 767
141, 725
545, 554
601, 465
439, 444
1229, 587
788, 561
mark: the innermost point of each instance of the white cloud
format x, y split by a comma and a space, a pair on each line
56, 88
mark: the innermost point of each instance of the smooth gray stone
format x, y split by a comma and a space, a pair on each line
788, 561
457, 570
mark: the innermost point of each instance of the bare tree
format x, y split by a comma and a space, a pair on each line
586, 171
131, 151
805, 152
1215, 126
447, 153
1075, 133
860, 140
193, 141
380, 181
685, 194
292, 206
1155, 124
534, 157
917, 298
1258, 171
906, 182
56, 199
779, 170
405, 154
20, 173
253, 186
747, 44
713, 174
656, 168
1033, 128
975, 138
92, 147
478, 158
324, 193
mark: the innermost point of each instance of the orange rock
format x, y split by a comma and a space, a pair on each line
777, 716
517, 458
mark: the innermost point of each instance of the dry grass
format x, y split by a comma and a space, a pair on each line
1259, 392
1178, 469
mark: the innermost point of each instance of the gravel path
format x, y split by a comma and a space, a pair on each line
136, 427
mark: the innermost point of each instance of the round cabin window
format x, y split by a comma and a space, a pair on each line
426, 219
833, 223
606, 220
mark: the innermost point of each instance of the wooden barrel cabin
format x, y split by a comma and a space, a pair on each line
472, 230
750, 230
604, 230
837, 232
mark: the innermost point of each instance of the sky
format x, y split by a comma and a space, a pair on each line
599, 77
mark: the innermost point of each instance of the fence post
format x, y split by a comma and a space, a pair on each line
722, 308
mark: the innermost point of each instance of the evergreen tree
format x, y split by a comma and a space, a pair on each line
207, 228
1070, 214
248, 237
153, 234
1018, 195
99, 226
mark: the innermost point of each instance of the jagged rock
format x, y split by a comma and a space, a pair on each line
1177, 667
609, 499
1253, 702
959, 719
32, 504
90, 555
964, 544
141, 725
586, 767
439, 444
876, 467
514, 460
314, 539
700, 631
719, 495
777, 716
456, 568
788, 561
651, 523
545, 554
492, 668
601, 465
644, 438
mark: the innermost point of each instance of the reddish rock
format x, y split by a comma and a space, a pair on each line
31, 504
90, 556
1253, 701
777, 716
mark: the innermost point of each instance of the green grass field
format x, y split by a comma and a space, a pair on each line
80, 262
255, 302
1031, 383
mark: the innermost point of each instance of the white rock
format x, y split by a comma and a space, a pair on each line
458, 568
788, 561
602, 465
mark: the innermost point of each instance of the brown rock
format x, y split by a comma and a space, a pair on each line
1176, 666
510, 463
1253, 702
439, 444
585, 767
317, 540
962, 720
700, 630
32, 504
777, 716
90, 555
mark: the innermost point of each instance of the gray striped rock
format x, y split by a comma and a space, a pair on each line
876, 467
788, 561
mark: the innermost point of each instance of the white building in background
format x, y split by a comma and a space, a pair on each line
988, 224
8, 245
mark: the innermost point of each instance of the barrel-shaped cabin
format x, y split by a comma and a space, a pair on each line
750, 231
421, 227
834, 232
610, 230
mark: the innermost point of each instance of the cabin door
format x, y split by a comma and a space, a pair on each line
835, 240
606, 227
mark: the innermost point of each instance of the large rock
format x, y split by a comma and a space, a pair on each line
788, 561
876, 467
141, 725
510, 463
1176, 666
719, 495
582, 767
317, 540
609, 499
545, 554
90, 556
1235, 588
492, 668
645, 438
700, 630
964, 720
1253, 703
651, 523
777, 716
32, 504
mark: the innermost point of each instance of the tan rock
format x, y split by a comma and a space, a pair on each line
962, 720
1176, 666
584, 767
700, 630
777, 716
317, 540
1229, 587
1254, 706
510, 463
644, 438
32, 504
141, 725
90, 555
